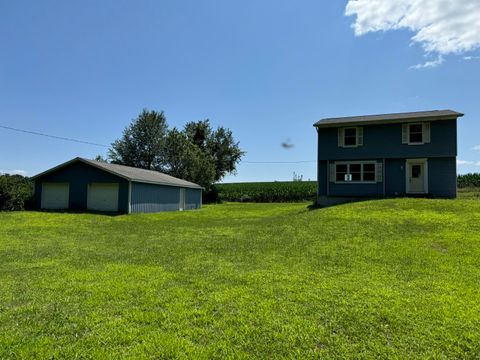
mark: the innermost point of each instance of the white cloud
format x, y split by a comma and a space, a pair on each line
476, 147
14, 172
440, 26
471, 58
464, 162
428, 64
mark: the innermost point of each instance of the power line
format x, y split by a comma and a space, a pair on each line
279, 162
106, 146
52, 136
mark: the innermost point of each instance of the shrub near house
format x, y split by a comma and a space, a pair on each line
16, 192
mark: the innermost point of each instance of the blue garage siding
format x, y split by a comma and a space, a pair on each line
79, 175
193, 199
442, 177
149, 198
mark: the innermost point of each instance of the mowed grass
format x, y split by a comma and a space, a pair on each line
389, 278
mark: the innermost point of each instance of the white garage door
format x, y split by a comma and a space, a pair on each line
55, 196
102, 197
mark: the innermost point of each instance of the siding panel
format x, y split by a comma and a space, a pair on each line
442, 177
385, 141
356, 190
322, 178
395, 177
193, 199
149, 198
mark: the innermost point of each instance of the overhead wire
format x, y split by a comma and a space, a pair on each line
106, 146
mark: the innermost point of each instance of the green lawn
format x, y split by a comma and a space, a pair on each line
389, 278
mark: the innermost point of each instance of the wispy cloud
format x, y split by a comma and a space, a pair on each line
476, 147
428, 64
464, 162
441, 27
471, 58
14, 172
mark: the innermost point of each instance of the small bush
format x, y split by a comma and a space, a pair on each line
16, 192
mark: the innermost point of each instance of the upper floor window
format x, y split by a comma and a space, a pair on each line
416, 133
350, 137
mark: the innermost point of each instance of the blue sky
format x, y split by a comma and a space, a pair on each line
265, 69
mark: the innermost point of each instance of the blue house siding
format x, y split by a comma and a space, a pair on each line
356, 190
442, 177
385, 141
322, 178
149, 198
395, 177
193, 199
79, 175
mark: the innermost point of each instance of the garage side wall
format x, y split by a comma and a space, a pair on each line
149, 198
79, 175
193, 199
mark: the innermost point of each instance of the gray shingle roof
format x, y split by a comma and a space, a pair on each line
131, 173
389, 118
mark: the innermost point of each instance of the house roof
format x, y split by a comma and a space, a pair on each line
389, 118
129, 173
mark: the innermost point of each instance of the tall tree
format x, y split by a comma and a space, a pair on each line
197, 153
185, 160
219, 144
142, 143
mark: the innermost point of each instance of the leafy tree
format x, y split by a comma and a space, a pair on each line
219, 144
142, 142
100, 158
198, 153
187, 161
16, 192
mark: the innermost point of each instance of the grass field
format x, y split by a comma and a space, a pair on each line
390, 278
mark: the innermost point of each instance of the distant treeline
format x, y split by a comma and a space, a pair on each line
468, 180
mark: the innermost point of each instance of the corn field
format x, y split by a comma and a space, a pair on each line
278, 191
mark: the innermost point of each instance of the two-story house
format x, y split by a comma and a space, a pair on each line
404, 154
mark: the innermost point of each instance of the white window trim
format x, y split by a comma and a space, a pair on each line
424, 161
408, 134
362, 162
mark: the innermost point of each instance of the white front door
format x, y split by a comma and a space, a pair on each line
416, 176
102, 197
181, 205
55, 196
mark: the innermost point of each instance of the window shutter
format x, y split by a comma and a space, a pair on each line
426, 132
378, 172
404, 133
340, 137
360, 136
332, 173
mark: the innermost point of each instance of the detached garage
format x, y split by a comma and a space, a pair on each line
83, 184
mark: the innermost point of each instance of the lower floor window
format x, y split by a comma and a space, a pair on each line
355, 172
